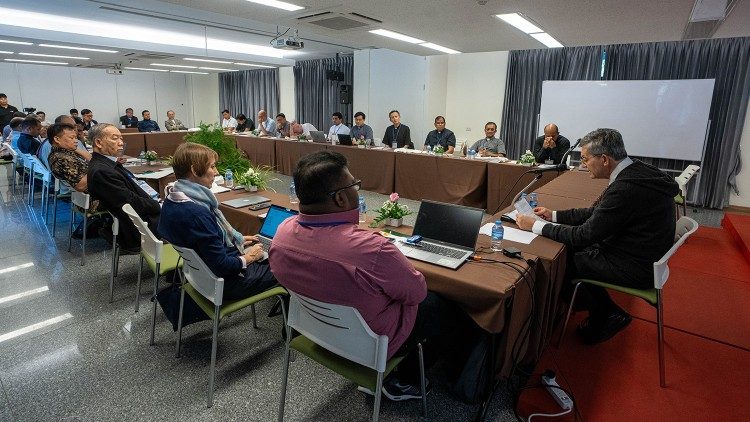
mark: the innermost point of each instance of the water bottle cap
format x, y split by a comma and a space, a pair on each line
498, 222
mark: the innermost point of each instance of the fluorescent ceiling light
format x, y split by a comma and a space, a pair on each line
72, 25
255, 65
54, 56
218, 68
397, 36
187, 71
23, 294
520, 22
206, 60
34, 327
33, 61
145, 68
278, 4
67, 47
174, 65
547, 40
439, 48
16, 267
5, 52
15, 42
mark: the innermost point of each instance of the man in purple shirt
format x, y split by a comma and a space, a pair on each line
323, 254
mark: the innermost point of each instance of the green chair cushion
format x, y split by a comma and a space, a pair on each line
360, 375
230, 306
678, 199
649, 295
169, 259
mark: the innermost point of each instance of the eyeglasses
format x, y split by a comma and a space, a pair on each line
585, 160
357, 185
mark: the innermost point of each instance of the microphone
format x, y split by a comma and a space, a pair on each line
567, 153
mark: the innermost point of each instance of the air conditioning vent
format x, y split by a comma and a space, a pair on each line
337, 21
154, 56
700, 30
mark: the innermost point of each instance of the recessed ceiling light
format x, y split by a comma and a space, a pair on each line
255, 65
188, 71
218, 68
54, 56
396, 35
174, 65
547, 40
15, 42
278, 4
520, 22
206, 60
67, 47
439, 48
5, 52
145, 68
33, 61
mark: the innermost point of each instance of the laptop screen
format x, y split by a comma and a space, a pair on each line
275, 216
449, 223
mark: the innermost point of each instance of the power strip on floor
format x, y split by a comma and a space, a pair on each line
562, 399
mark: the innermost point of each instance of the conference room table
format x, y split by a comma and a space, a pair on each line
164, 143
142, 172
288, 152
505, 180
260, 151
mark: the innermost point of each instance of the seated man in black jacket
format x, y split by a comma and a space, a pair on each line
550, 147
115, 186
27, 141
618, 239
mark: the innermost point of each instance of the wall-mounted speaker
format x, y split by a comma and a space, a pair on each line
345, 94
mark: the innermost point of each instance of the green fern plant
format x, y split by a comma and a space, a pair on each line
213, 136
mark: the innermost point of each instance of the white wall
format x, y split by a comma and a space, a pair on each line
56, 89
287, 104
743, 178
436, 92
361, 84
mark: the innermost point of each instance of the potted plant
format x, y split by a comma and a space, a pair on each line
302, 137
230, 157
361, 143
256, 178
391, 211
150, 157
438, 150
255, 132
527, 159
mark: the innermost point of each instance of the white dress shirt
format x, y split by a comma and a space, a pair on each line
230, 122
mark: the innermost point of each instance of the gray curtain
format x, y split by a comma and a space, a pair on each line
248, 91
527, 69
316, 97
725, 60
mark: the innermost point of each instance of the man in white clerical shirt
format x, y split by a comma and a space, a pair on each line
229, 122
338, 127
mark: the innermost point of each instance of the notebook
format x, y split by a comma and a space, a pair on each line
318, 136
449, 233
254, 202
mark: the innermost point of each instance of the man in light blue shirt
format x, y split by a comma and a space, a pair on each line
489, 146
361, 131
266, 124
338, 127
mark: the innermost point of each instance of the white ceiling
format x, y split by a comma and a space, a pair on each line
462, 25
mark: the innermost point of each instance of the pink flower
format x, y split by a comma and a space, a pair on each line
394, 197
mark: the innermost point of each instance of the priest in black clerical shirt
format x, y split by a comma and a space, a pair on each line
550, 148
397, 132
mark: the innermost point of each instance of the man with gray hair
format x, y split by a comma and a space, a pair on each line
618, 239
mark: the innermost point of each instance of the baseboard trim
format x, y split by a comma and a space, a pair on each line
737, 209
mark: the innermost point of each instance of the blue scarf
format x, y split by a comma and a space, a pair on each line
202, 195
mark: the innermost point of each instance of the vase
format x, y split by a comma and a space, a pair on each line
361, 146
251, 188
395, 222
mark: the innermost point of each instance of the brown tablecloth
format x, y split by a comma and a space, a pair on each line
289, 152
164, 143
503, 183
134, 143
129, 130
445, 179
260, 151
575, 184
245, 220
375, 167
156, 184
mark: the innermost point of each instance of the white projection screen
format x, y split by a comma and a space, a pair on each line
660, 119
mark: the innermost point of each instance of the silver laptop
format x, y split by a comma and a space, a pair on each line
254, 202
449, 234
274, 217
318, 136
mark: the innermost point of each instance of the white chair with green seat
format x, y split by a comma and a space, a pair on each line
207, 291
682, 180
80, 203
58, 194
115, 257
41, 173
686, 226
17, 163
28, 172
338, 338
160, 257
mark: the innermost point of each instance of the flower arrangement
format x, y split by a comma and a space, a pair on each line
527, 158
438, 150
150, 156
255, 132
256, 176
391, 209
302, 137
361, 142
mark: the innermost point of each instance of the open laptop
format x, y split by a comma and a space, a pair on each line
449, 233
318, 136
345, 139
275, 216
254, 202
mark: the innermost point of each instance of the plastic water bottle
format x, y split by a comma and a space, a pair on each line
229, 179
524, 197
293, 194
429, 149
141, 157
472, 154
497, 236
362, 209
533, 200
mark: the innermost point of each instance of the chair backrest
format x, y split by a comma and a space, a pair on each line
80, 199
150, 245
28, 162
40, 169
339, 329
686, 226
200, 276
684, 178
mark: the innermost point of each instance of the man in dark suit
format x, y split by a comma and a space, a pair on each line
27, 141
128, 120
88, 119
114, 186
397, 132
618, 239
550, 147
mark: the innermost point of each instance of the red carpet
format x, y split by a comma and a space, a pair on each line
707, 315
738, 227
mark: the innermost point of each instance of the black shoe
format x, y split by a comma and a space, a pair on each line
394, 390
596, 332
78, 232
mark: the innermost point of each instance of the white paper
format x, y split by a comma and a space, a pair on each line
156, 175
514, 235
218, 189
512, 215
522, 207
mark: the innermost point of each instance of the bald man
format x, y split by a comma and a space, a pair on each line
550, 147
266, 124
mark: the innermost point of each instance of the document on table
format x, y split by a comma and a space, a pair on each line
156, 174
514, 235
522, 207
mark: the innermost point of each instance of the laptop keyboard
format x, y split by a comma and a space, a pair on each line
265, 242
442, 250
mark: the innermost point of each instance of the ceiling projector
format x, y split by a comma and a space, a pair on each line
288, 43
